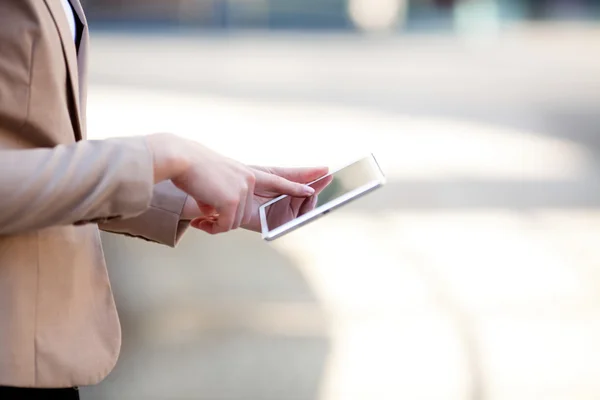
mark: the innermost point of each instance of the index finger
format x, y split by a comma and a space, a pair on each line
281, 185
300, 175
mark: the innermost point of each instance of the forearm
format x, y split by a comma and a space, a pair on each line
85, 182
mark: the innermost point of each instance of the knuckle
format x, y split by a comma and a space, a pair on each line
231, 201
251, 179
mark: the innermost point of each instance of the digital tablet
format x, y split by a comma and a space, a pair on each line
284, 214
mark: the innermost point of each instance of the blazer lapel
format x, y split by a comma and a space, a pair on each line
82, 63
70, 53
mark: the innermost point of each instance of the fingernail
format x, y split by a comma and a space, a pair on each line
308, 190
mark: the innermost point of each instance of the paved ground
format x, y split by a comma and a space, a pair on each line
474, 274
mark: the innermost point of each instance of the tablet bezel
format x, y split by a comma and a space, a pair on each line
310, 216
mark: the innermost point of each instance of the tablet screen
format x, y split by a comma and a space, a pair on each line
327, 189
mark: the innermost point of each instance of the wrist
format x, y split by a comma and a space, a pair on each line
167, 161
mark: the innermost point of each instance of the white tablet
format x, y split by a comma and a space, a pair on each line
285, 213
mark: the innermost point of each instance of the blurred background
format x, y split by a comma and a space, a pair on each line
474, 274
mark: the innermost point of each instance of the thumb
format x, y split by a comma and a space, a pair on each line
277, 184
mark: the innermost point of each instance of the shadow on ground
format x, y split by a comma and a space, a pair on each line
211, 320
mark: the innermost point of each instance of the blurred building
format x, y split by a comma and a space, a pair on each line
331, 14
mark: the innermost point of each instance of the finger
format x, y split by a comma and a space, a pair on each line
226, 218
195, 223
308, 205
210, 227
249, 204
203, 224
277, 184
239, 215
300, 175
207, 210
322, 183
209, 218
296, 203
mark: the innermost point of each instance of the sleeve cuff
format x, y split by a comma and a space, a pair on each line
161, 223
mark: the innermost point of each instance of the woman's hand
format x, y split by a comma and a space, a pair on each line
270, 182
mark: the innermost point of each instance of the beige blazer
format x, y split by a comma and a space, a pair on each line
58, 322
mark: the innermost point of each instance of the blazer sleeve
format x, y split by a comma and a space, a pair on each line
161, 222
79, 183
